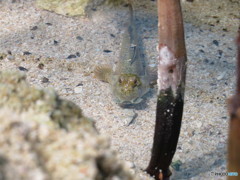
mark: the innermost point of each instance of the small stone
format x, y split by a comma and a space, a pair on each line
22, 68
225, 29
49, 24
176, 165
78, 89
55, 42
45, 80
221, 76
198, 124
79, 38
112, 35
206, 60
26, 53
41, 66
152, 65
10, 57
34, 28
71, 56
130, 164
190, 132
210, 133
215, 42
107, 51
9, 52
2, 56
80, 84
220, 52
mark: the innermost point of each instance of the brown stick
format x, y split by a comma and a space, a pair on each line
234, 129
238, 64
171, 82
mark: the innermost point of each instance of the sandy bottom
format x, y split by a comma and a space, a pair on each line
77, 45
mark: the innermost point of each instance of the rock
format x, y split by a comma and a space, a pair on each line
46, 137
198, 124
45, 80
190, 132
78, 89
221, 76
41, 66
218, 15
10, 57
22, 68
2, 56
176, 165
69, 7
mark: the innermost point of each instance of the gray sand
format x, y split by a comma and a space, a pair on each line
210, 79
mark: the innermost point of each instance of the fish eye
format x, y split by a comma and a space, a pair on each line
120, 80
135, 81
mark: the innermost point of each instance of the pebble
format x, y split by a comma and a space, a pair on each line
34, 28
49, 24
152, 65
198, 124
79, 38
130, 164
176, 165
67, 91
22, 68
190, 132
107, 51
55, 42
26, 53
10, 57
215, 42
221, 76
41, 66
78, 89
71, 56
220, 52
45, 80
80, 84
206, 60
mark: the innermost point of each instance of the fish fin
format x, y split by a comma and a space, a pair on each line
134, 53
103, 72
152, 77
138, 100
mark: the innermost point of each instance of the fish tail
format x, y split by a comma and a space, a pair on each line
103, 73
131, 11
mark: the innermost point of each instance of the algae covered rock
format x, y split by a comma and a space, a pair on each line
220, 15
46, 137
68, 7
74, 7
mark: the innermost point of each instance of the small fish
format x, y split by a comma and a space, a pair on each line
130, 80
